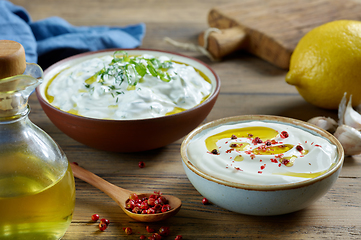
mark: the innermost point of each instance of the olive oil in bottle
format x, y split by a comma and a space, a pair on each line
37, 191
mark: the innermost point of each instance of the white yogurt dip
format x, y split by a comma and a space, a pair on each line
120, 87
261, 153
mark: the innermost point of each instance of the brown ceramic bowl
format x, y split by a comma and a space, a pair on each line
128, 135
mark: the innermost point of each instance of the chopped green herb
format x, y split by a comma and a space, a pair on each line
156, 63
140, 68
130, 69
132, 76
151, 69
167, 64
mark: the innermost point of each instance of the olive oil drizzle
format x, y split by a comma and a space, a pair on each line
264, 133
272, 150
47, 95
301, 175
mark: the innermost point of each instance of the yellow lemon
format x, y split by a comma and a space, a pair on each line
326, 63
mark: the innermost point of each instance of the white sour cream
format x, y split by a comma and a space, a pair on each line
295, 158
105, 98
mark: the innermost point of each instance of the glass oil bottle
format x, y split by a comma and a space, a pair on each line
37, 192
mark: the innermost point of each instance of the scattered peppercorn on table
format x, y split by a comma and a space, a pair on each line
249, 86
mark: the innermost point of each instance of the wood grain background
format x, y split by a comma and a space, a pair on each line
249, 86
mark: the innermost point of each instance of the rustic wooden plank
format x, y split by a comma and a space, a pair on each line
273, 28
312, 221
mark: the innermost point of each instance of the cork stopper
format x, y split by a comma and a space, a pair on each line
12, 59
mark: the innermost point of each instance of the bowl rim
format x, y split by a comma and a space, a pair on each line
259, 187
214, 94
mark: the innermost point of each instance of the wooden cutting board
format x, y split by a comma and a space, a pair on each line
271, 29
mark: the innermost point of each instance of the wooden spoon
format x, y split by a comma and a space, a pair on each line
120, 196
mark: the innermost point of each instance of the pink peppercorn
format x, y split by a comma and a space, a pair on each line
104, 220
284, 134
156, 236
128, 230
299, 148
95, 217
102, 226
156, 203
215, 152
141, 164
149, 229
257, 140
164, 231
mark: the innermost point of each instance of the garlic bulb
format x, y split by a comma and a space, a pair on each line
347, 115
350, 139
325, 123
348, 128
342, 109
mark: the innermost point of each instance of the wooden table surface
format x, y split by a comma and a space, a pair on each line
249, 86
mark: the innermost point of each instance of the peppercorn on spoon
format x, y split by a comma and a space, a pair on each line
121, 195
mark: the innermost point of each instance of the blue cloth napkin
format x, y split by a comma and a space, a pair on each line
52, 39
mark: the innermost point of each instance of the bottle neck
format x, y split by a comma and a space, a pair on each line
13, 105
13, 115
15, 92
